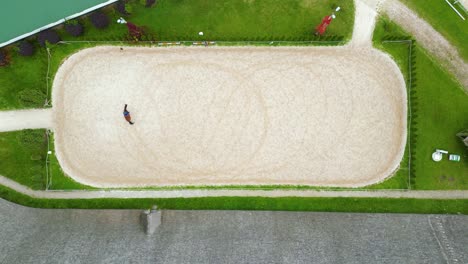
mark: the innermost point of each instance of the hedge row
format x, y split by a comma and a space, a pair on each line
414, 111
412, 93
35, 142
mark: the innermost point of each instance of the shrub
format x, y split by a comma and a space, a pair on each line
99, 20
26, 48
36, 157
74, 28
37, 180
122, 7
49, 36
37, 176
31, 97
135, 32
150, 3
31, 139
4, 59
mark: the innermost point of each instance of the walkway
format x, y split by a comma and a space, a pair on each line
364, 23
23, 119
220, 193
115, 236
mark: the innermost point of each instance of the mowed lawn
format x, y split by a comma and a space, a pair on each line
244, 19
440, 109
23, 82
443, 19
22, 157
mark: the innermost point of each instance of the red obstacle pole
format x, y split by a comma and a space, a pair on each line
320, 29
134, 30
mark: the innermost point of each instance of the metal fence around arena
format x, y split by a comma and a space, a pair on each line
409, 89
48, 103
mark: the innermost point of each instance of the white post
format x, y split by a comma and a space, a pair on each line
454, 9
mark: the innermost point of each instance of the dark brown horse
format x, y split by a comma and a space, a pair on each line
127, 116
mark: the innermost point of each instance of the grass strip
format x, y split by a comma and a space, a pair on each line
439, 108
362, 205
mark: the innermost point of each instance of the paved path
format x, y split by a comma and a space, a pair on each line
429, 38
364, 23
219, 193
23, 119
50, 236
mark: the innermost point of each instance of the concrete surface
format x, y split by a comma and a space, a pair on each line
24, 119
115, 236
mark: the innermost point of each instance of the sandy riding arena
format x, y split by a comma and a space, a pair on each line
323, 116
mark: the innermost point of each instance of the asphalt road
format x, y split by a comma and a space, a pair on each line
115, 236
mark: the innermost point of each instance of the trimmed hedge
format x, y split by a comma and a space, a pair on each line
121, 7
150, 3
99, 20
26, 48
74, 28
4, 59
31, 138
31, 98
48, 36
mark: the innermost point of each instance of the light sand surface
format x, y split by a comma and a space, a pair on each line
208, 116
364, 23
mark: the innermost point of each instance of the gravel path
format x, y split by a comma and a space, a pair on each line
429, 38
23, 119
220, 193
364, 23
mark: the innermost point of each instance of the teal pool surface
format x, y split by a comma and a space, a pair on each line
21, 17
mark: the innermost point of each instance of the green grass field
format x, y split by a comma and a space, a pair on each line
442, 112
22, 157
229, 20
440, 108
23, 82
243, 20
445, 20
